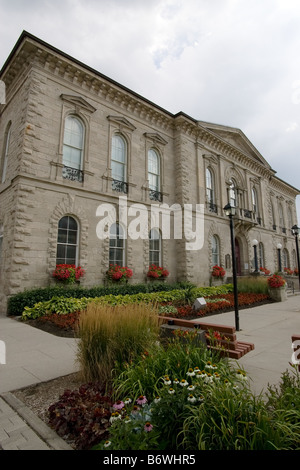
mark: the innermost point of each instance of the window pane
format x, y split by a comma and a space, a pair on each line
67, 241
118, 171
118, 149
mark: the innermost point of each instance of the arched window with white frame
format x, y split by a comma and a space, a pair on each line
119, 163
233, 193
116, 245
154, 175
210, 190
73, 148
155, 247
215, 250
67, 241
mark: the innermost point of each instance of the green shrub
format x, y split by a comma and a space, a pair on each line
28, 298
59, 305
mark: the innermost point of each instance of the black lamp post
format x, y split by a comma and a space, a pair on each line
230, 212
295, 232
254, 244
279, 246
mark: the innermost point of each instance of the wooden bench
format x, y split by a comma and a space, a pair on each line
230, 347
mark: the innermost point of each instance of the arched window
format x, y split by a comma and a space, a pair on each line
261, 256
285, 258
154, 175
119, 163
254, 201
5, 152
215, 250
67, 241
116, 245
210, 190
155, 247
290, 219
233, 194
281, 219
273, 216
73, 146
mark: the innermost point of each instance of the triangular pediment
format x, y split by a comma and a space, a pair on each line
78, 102
122, 122
236, 138
156, 138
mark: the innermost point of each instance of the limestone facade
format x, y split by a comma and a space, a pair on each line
197, 164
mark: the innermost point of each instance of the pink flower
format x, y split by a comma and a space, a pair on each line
148, 427
142, 400
118, 405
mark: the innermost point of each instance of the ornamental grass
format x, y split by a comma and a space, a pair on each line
109, 335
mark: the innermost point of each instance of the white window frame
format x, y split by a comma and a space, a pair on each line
116, 233
67, 243
155, 235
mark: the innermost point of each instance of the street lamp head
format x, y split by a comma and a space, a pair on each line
279, 246
254, 242
229, 210
295, 230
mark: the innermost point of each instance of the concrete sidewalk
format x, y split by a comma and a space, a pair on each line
270, 327
34, 356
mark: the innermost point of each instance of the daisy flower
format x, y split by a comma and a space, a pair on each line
148, 426
118, 405
115, 416
191, 388
184, 383
157, 399
190, 372
192, 399
171, 391
176, 381
127, 401
167, 380
107, 443
142, 400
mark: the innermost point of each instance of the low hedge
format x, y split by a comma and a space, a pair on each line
28, 298
64, 305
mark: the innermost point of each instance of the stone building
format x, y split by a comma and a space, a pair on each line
78, 149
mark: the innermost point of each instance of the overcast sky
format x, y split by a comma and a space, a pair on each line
231, 62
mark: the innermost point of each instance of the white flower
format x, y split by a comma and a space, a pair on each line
107, 443
115, 416
209, 378
192, 399
157, 400
191, 387
190, 372
176, 381
127, 401
171, 391
209, 365
184, 383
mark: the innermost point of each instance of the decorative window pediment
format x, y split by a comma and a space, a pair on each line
122, 123
78, 102
155, 138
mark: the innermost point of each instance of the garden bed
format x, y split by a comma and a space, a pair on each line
64, 325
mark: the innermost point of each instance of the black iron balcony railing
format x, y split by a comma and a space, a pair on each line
155, 195
212, 207
72, 174
120, 186
283, 229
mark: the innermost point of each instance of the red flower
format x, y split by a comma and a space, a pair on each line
276, 281
119, 273
157, 272
218, 271
68, 272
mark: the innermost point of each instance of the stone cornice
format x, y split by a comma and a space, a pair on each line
211, 142
31, 50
